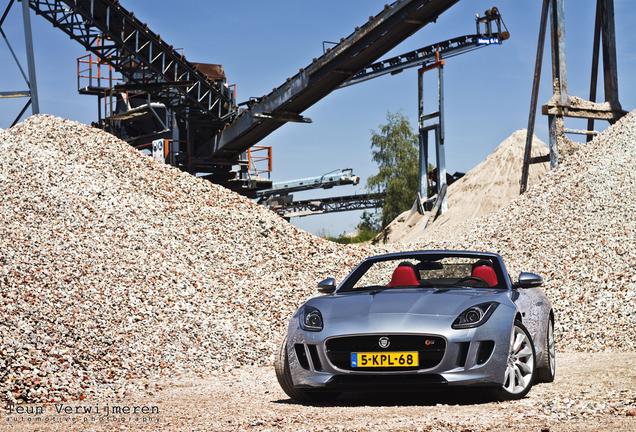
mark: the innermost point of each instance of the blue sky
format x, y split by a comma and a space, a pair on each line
260, 44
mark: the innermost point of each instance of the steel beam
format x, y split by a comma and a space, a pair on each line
559, 66
21, 112
13, 94
535, 95
610, 68
559, 78
553, 132
595, 58
379, 35
422, 187
440, 149
33, 85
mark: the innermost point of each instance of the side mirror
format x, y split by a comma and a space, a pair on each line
529, 280
328, 286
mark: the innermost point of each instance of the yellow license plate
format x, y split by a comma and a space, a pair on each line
385, 359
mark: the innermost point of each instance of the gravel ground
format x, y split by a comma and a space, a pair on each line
591, 392
116, 268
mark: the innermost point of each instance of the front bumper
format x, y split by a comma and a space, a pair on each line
471, 357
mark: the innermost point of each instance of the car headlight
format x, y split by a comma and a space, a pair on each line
475, 316
310, 319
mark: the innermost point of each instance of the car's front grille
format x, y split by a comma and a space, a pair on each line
431, 350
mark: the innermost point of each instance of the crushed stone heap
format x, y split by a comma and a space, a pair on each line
115, 266
577, 229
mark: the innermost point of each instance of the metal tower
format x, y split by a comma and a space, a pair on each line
32, 92
562, 104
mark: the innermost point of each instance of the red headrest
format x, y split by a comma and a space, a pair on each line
487, 274
403, 276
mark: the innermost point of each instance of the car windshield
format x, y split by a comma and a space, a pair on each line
426, 271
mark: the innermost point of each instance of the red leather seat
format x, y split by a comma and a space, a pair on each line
486, 273
403, 276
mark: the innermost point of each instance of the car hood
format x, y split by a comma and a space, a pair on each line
436, 302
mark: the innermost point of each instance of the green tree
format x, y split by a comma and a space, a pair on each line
369, 223
395, 150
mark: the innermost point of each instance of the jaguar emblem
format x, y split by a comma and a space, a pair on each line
384, 342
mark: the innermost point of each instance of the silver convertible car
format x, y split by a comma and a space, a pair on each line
419, 321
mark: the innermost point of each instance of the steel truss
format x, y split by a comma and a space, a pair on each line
146, 62
32, 92
329, 205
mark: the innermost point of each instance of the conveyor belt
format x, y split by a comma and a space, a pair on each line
446, 49
374, 39
149, 64
330, 205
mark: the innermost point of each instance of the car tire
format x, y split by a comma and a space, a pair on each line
520, 366
547, 369
283, 374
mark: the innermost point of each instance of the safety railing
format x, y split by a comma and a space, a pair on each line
255, 156
96, 72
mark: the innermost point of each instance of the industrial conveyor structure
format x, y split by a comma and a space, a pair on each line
278, 198
489, 31
338, 177
190, 105
145, 61
327, 205
441, 50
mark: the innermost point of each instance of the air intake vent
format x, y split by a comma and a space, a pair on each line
485, 350
302, 356
463, 353
313, 352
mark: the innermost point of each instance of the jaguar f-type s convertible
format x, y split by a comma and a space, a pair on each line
418, 321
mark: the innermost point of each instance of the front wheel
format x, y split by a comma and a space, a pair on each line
520, 365
547, 369
283, 374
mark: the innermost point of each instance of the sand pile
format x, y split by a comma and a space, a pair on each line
485, 189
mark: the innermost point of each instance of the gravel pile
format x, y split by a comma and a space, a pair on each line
115, 266
117, 270
577, 228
